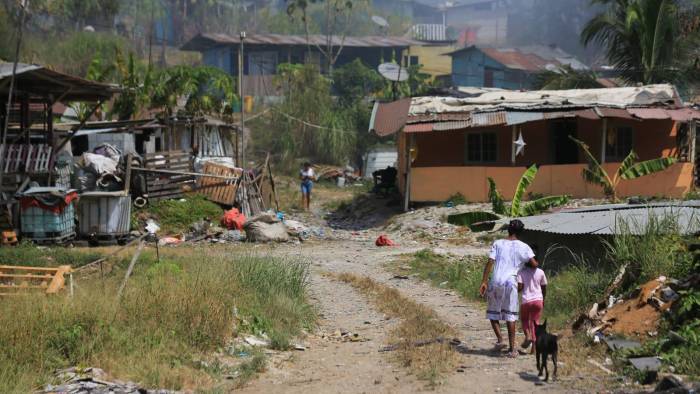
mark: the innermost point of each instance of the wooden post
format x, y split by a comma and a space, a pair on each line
407, 183
692, 136
514, 136
130, 269
603, 140
127, 177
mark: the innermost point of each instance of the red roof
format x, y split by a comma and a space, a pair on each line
513, 58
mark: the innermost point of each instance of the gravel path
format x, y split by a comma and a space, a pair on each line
331, 365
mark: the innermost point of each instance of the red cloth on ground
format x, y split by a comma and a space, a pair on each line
233, 219
28, 202
530, 313
383, 240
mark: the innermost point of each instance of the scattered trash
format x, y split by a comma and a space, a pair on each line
233, 219
621, 344
599, 365
232, 236
668, 295
634, 316
646, 363
91, 380
669, 382
255, 341
260, 231
169, 241
152, 227
383, 240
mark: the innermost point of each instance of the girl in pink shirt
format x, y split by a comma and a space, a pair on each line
532, 282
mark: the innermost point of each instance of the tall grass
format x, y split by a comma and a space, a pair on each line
170, 313
652, 248
31, 255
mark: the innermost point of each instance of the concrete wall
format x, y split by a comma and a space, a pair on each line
433, 58
439, 183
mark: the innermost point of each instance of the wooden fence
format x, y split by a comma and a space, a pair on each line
166, 186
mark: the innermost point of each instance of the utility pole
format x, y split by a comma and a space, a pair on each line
23, 12
240, 97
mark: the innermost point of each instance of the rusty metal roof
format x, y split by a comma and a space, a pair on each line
209, 40
613, 113
388, 118
419, 127
649, 113
39, 81
516, 60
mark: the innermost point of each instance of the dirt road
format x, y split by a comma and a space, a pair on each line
331, 366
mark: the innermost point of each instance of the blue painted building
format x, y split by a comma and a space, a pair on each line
507, 68
263, 53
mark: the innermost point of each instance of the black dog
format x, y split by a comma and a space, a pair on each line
546, 345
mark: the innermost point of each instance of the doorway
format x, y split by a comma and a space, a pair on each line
565, 151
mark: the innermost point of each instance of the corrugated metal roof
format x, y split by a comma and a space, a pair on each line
488, 119
208, 40
683, 114
612, 219
516, 118
388, 118
514, 59
419, 127
613, 113
651, 96
39, 81
649, 113
453, 125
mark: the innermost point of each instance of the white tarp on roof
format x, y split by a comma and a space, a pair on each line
493, 100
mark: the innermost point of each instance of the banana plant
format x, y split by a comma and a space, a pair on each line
518, 207
629, 169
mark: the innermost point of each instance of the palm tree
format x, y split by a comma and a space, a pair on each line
566, 77
642, 39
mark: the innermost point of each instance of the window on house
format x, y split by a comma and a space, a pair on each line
618, 143
481, 147
262, 63
411, 60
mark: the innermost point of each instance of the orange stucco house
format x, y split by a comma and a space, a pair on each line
452, 144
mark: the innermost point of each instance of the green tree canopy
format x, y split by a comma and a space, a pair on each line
643, 40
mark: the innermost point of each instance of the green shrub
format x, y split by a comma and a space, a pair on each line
176, 216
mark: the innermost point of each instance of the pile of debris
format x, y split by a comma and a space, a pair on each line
625, 323
92, 381
103, 169
637, 315
432, 222
266, 227
338, 174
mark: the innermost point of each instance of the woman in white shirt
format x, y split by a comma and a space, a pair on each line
307, 176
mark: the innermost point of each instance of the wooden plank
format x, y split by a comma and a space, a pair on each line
26, 276
25, 268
